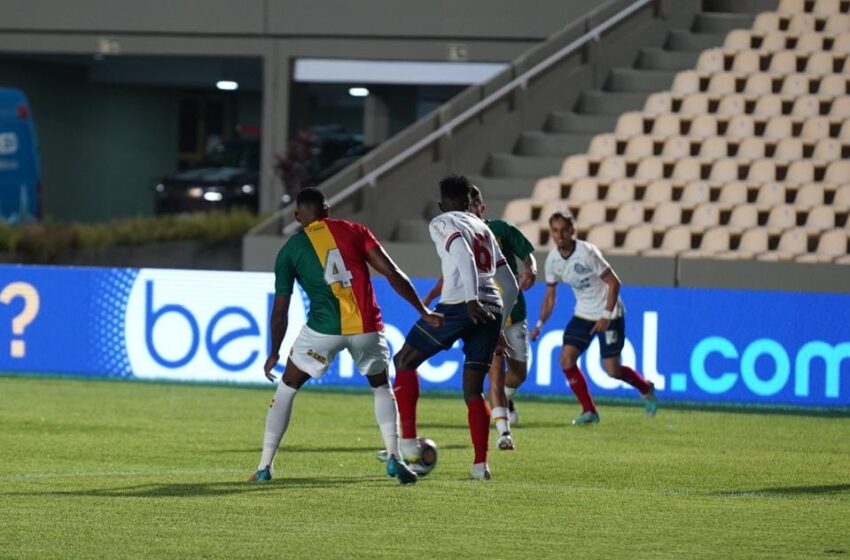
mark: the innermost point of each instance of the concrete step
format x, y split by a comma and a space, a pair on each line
545, 144
654, 58
636, 79
503, 188
684, 40
740, 6
570, 122
600, 102
719, 22
512, 165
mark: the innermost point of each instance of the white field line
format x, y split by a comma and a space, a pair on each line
95, 474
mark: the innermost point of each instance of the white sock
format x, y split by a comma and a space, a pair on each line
387, 416
409, 449
277, 420
500, 415
509, 391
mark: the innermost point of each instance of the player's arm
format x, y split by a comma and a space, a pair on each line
546, 307
435, 291
278, 324
378, 258
609, 277
507, 282
525, 250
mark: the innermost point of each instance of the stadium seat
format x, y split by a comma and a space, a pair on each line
842, 198
676, 147
790, 7
776, 41
629, 214
789, 149
738, 40
715, 240
844, 133
810, 195
770, 195
520, 210
602, 145
820, 218
827, 149
779, 127
612, 167
638, 238
743, 217
832, 246
715, 147
723, 83
622, 190
759, 84
753, 242
667, 125
694, 104
676, 240
630, 124
780, 218
731, 104
792, 243
741, 126
712, 60
842, 43
705, 216
695, 192
685, 82
703, 126
747, 62
802, 23
603, 236
590, 214
723, 170
650, 168
687, 169
768, 106
826, 7
823, 63
667, 214
796, 84
840, 107
662, 191
547, 188
658, 103
838, 23
640, 146
583, 190
800, 172
837, 173
533, 232
733, 193
815, 128
751, 148
767, 21
810, 42
836, 84
806, 106
783, 62
575, 167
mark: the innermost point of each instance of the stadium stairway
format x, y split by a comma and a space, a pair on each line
540, 153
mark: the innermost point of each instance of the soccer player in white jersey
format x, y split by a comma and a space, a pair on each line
474, 311
599, 311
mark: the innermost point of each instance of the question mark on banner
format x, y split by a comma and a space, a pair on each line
32, 303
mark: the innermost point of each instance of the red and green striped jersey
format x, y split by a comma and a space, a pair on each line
328, 258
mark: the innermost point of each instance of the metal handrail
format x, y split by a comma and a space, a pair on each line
522, 81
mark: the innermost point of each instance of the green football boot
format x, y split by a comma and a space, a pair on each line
586, 418
262, 475
650, 402
397, 469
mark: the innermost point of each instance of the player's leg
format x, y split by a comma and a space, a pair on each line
517, 360
371, 355
611, 345
479, 345
576, 341
499, 403
422, 342
312, 352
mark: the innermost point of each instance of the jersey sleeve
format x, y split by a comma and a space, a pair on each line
520, 244
368, 238
443, 232
597, 262
498, 256
284, 272
549, 270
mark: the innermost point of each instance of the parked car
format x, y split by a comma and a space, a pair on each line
226, 178
20, 168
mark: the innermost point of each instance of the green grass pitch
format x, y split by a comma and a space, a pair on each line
136, 470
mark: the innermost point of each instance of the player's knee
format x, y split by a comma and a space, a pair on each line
613, 370
568, 362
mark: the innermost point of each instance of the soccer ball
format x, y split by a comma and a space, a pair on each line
428, 458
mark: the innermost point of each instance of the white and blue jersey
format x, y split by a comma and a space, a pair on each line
583, 270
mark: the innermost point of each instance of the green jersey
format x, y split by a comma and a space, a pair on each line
514, 246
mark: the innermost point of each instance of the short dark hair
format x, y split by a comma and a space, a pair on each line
455, 188
567, 217
311, 197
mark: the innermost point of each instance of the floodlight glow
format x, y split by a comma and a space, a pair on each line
358, 92
227, 85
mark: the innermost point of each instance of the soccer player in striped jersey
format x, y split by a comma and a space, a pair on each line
514, 245
330, 260
599, 312
474, 311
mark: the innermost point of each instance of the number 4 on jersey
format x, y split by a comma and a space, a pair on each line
335, 270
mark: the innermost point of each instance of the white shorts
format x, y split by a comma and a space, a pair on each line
312, 352
517, 335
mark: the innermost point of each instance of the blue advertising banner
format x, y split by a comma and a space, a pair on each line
717, 346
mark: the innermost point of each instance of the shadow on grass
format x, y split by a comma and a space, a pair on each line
790, 491
202, 489
368, 449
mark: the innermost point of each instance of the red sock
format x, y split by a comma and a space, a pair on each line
634, 379
406, 389
478, 417
579, 386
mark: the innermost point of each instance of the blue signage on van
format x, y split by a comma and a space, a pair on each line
20, 169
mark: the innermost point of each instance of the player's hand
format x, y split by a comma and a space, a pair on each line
435, 320
600, 326
535, 332
271, 362
503, 347
478, 313
526, 280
